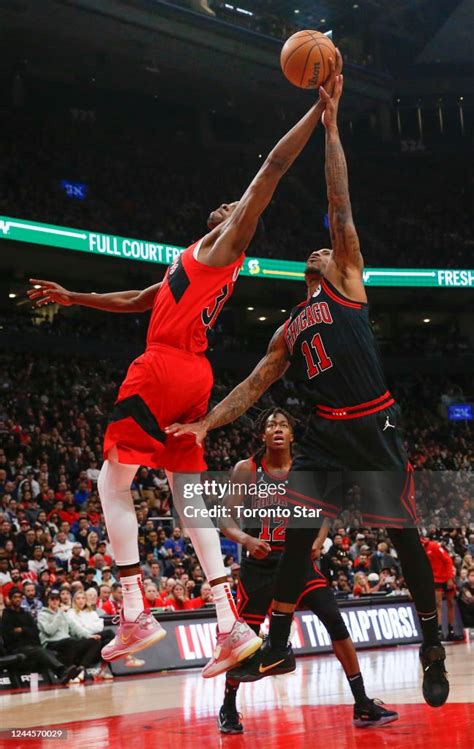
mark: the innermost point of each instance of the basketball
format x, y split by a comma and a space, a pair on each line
305, 58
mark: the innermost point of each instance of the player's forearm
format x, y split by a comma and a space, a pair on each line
231, 530
322, 534
237, 402
291, 145
337, 180
116, 301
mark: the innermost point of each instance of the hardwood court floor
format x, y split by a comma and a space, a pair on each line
310, 708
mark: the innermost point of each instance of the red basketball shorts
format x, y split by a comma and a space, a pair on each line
162, 386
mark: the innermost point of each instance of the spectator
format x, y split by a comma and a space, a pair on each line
92, 599
15, 582
38, 563
113, 606
81, 495
92, 545
30, 602
204, 599
361, 584
104, 595
62, 549
62, 634
25, 569
77, 561
381, 558
355, 549
89, 579
177, 600
65, 598
5, 576
466, 600
85, 618
20, 635
93, 472
107, 577
176, 543
26, 543
342, 584
152, 599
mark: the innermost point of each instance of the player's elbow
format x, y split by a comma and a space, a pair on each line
139, 303
275, 165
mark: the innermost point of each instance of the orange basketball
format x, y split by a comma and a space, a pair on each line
305, 58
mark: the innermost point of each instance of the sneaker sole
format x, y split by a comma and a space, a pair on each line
116, 655
240, 654
230, 731
272, 672
374, 723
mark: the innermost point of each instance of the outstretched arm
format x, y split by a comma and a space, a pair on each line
269, 369
346, 253
240, 228
117, 301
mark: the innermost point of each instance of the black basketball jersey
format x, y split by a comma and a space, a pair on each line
269, 529
334, 352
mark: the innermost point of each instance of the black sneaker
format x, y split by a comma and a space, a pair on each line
228, 720
371, 713
70, 673
264, 662
453, 638
435, 683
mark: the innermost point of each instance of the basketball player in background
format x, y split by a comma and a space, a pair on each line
353, 427
172, 381
263, 545
444, 573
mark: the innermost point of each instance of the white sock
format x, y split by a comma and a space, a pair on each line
225, 606
132, 597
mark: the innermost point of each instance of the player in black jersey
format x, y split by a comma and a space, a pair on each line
354, 422
263, 544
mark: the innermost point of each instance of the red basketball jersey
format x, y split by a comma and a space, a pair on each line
189, 301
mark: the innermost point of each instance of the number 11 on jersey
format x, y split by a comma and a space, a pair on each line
315, 365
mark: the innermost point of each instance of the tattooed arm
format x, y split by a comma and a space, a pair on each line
346, 263
269, 369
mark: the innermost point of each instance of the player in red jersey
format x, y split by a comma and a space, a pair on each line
444, 573
172, 382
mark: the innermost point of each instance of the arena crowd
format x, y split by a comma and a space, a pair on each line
57, 571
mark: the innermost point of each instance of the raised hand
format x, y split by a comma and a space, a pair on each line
335, 70
49, 292
329, 117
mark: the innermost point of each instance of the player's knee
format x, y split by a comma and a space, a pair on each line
335, 626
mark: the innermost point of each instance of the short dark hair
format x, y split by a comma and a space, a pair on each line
263, 417
14, 591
